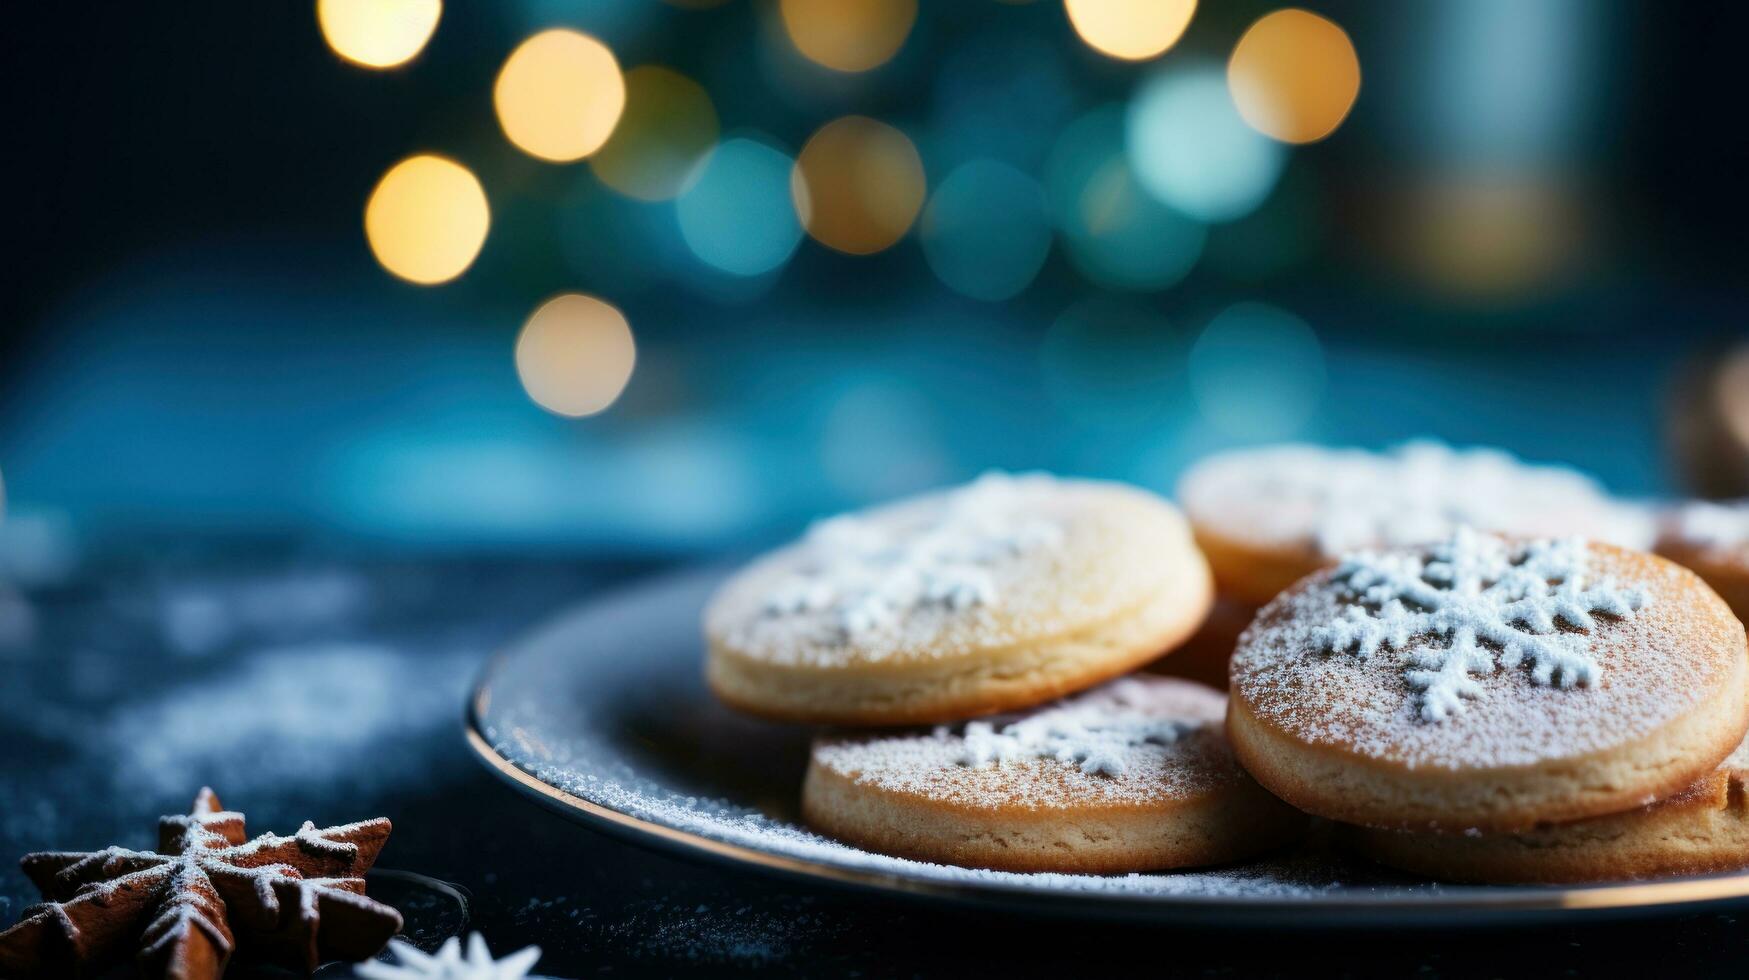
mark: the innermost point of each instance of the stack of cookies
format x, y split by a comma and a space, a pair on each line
1440, 651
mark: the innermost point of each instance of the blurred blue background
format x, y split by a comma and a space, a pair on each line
1035, 254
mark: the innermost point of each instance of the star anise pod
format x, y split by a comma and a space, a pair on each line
205, 893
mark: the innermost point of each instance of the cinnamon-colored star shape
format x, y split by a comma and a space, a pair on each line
204, 893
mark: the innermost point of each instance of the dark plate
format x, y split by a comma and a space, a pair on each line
602, 715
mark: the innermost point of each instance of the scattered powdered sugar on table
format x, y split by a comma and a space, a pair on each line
1474, 589
1675, 652
1334, 501
868, 574
292, 716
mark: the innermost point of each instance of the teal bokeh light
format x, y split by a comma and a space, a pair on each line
1191, 150
1117, 234
1257, 372
737, 216
985, 232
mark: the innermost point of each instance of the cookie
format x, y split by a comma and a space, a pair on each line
1132, 776
995, 596
1488, 684
1712, 540
1268, 517
1203, 658
1701, 829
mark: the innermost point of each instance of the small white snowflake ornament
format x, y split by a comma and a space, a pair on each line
448, 963
1481, 606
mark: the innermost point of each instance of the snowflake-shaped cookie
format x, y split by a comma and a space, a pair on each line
205, 891
1490, 605
448, 963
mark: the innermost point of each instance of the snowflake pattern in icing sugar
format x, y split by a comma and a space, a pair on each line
1491, 608
1096, 732
448, 963
867, 577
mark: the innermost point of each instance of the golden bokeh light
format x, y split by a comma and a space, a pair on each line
1490, 236
378, 33
426, 219
858, 185
848, 35
1133, 30
1294, 76
575, 355
559, 95
669, 125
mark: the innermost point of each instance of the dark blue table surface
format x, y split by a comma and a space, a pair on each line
313, 687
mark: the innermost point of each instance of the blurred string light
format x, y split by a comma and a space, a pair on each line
1491, 234
426, 219
1294, 76
1133, 30
1189, 147
986, 232
1118, 235
668, 126
1110, 362
737, 216
848, 35
1257, 372
378, 33
575, 355
858, 184
559, 95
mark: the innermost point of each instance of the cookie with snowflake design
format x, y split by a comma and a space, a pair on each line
1712, 539
1134, 775
1268, 517
207, 892
1702, 829
993, 596
1488, 684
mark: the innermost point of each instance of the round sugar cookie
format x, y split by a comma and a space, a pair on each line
1712, 540
1132, 776
1701, 829
997, 595
1268, 517
1488, 684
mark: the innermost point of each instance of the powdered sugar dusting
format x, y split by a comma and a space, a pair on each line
1705, 524
1492, 608
868, 576
1003, 561
1675, 651
1334, 501
1135, 740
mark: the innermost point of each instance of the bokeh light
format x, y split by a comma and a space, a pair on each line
668, 126
575, 355
426, 219
1130, 29
1490, 235
858, 184
1118, 235
986, 231
1257, 372
1110, 362
1191, 150
848, 35
378, 33
1294, 76
737, 216
559, 95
